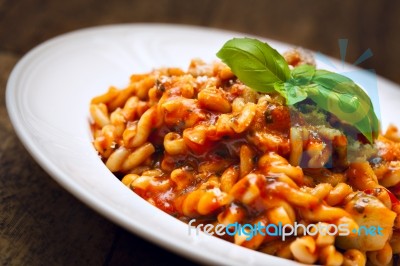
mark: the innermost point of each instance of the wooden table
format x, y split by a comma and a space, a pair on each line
41, 223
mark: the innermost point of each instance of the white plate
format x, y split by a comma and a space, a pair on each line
48, 97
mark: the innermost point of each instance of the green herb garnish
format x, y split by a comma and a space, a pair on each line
263, 69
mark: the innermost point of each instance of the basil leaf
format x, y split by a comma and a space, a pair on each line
293, 89
291, 92
303, 74
255, 63
340, 96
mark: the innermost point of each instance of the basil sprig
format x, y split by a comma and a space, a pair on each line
263, 69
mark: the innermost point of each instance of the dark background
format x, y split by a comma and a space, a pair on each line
40, 223
313, 24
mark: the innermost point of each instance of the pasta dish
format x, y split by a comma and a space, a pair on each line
203, 144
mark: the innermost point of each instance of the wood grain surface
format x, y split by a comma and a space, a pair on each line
41, 223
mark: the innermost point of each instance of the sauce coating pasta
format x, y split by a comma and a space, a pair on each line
200, 144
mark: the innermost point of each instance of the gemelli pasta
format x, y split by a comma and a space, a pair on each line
200, 144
